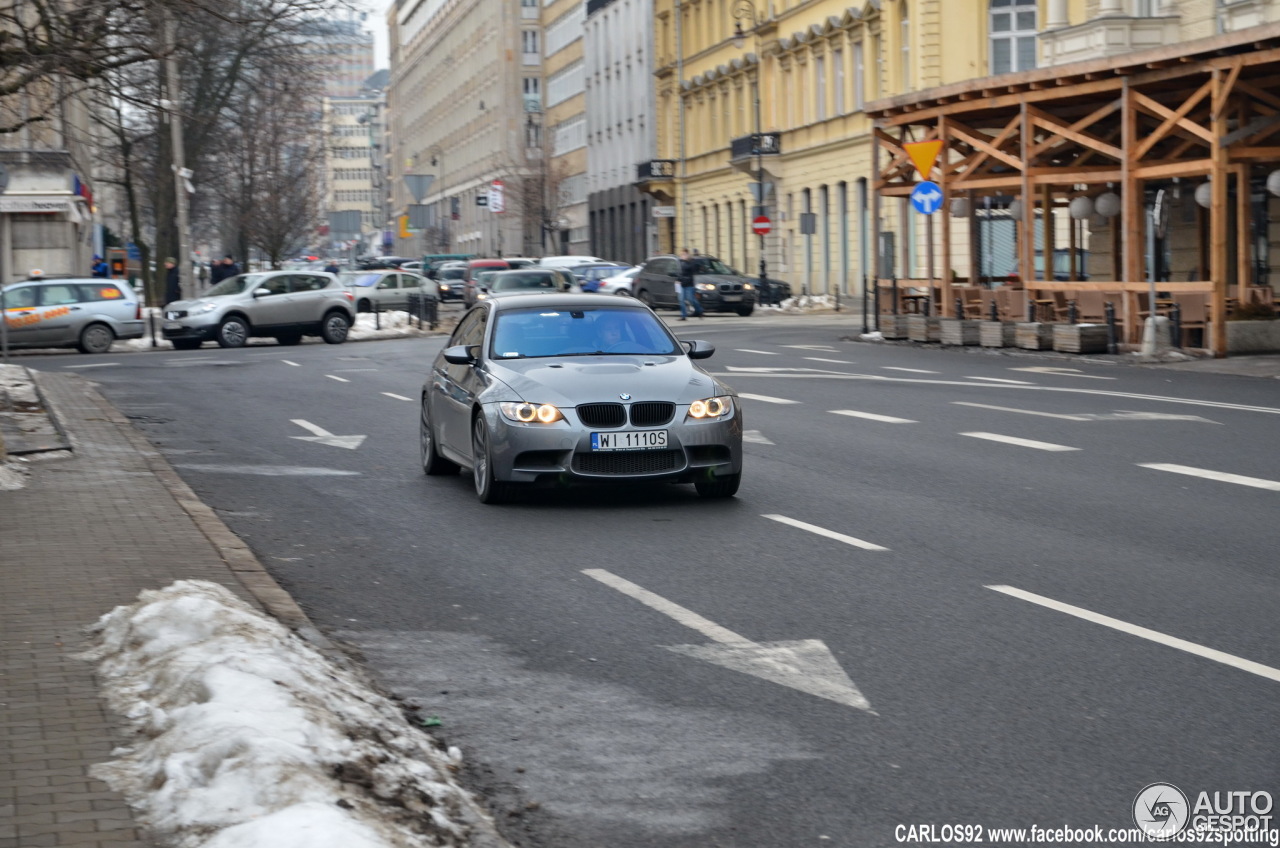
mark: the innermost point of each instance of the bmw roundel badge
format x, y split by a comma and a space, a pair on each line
625, 396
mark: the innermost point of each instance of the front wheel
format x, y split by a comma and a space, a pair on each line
488, 490
719, 487
744, 311
645, 298
433, 464
95, 338
334, 328
233, 332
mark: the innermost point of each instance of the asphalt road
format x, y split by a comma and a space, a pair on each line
1009, 632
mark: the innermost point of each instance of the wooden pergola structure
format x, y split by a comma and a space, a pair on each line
1203, 109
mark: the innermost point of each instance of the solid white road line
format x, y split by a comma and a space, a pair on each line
871, 416
687, 617
822, 531
397, 397
1014, 440
1239, 479
765, 398
837, 361
339, 379
761, 352
909, 370
1144, 633
291, 362
1023, 411
1001, 380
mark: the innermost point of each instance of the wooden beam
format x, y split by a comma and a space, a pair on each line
1256, 153
1172, 120
1155, 107
983, 154
976, 139
1244, 243
1132, 220
1180, 168
1009, 182
1218, 222
1059, 176
1072, 133
1027, 263
1258, 93
1228, 87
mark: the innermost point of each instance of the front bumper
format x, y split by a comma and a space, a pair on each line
183, 330
718, 301
560, 453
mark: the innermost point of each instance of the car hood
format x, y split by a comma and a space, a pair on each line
187, 304
570, 381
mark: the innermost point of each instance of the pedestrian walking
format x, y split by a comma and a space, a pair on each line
100, 267
332, 267
172, 281
688, 294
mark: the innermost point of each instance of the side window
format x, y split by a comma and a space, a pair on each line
465, 328
388, 281
475, 333
100, 292
278, 284
307, 282
20, 298
665, 266
58, 295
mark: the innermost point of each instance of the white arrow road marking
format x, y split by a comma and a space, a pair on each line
806, 665
755, 437
1220, 476
1064, 372
397, 397
761, 352
1022, 411
871, 416
1000, 380
1144, 633
324, 437
1014, 440
822, 531
291, 362
765, 398
1119, 415
339, 379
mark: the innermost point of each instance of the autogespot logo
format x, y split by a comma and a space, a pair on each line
1161, 810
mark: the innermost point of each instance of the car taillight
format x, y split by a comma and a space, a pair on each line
351, 297
137, 313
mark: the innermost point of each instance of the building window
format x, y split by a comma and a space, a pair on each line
529, 41
1147, 8
859, 77
820, 89
1013, 35
905, 26
837, 67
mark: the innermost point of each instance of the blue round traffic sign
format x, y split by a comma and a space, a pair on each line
926, 198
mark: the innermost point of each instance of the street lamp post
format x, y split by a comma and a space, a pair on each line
446, 206
746, 10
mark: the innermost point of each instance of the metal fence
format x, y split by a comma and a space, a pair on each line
424, 309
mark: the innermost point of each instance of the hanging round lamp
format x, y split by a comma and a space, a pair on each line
1273, 183
1081, 207
1107, 205
1204, 194
960, 206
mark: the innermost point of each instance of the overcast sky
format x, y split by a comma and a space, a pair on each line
377, 22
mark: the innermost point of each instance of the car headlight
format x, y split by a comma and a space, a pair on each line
748, 287
706, 286
201, 308
711, 408
530, 413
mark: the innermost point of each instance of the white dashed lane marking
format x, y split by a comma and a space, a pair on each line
1024, 443
1220, 476
765, 398
909, 370
761, 352
339, 379
822, 531
1000, 380
1143, 632
1023, 411
837, 361
291, 362
397, 397
871, 416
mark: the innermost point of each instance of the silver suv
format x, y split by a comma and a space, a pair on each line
385, 289
285, 304
86, 313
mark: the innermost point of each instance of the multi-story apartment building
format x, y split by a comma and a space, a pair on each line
456, 105
46, 212
565, 123
618, 56
354, 163
343, 50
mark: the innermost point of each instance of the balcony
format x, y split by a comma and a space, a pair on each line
756, 144
1107, 36
656, 169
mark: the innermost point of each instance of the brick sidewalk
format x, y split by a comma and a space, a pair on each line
89, 531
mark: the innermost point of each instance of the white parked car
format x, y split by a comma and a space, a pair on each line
385, 289
619, 283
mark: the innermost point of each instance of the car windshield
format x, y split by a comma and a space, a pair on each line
534, 332
357, 279
522, 282
711, 265
452, 273
236, 285
600, 272
484, 276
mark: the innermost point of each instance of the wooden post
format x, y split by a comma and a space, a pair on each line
945, 158
875, 224
1132, 220
1244, 244
1218, 218
1073, 247
1046, 204
1026, 260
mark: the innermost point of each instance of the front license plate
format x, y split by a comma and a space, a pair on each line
172, 325
629, 440
732, 298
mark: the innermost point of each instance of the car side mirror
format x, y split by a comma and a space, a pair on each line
261, 292
698, 349
460, 354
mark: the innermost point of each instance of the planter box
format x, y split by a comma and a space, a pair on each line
1253, 337
924, 328
893, 326
959, 332
1080, 338
1033, 336
996, 333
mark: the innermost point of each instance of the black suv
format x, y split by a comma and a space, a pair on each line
719, 288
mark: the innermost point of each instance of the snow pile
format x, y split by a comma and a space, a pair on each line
803, 303
394, 325
248, 738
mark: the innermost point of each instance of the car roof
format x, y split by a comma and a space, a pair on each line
50, 280
565, 301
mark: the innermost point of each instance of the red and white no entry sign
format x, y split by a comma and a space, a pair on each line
761, 225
